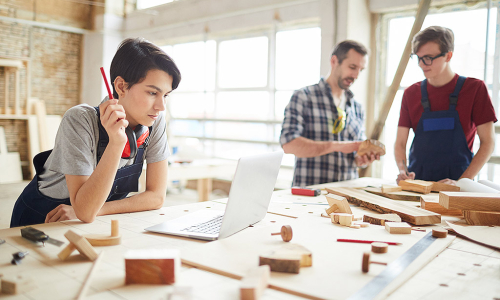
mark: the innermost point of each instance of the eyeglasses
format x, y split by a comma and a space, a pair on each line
339, 123
427, 60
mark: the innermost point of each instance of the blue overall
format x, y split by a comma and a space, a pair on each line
439, 149
32, 206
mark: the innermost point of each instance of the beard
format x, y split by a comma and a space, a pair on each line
343, 85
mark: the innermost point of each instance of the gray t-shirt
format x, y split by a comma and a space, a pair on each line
75, 152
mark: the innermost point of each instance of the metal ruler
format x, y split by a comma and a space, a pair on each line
377, 284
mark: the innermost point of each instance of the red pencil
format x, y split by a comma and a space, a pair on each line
106, 82
366, 242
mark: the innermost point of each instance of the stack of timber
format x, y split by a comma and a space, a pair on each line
383, 205
430, 202
478, 208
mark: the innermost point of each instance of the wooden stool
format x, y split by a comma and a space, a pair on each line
365, 266
105, 240
286, 233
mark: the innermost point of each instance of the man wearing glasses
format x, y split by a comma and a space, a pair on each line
324, 125
445, 111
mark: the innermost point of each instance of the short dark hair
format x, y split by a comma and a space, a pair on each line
135, 57
343, 47
440, 35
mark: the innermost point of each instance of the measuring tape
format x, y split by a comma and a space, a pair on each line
377, 284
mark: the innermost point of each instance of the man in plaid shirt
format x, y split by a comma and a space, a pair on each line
324, 125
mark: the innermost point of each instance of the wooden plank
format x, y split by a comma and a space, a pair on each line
402, 195
381, 219
444, 187
391, 188
484, 218
430, 202
419, 186
407, 213
81, 244
470, 201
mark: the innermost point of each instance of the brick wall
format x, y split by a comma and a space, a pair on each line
55, 63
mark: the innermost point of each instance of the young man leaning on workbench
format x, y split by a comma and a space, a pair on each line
99, 151
324, 126
445, 111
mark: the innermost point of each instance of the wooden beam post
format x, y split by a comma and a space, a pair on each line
423, 8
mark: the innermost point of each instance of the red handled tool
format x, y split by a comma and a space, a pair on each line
305, 191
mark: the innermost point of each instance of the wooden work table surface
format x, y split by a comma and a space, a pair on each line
464, 270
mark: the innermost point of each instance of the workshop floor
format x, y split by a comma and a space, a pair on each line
10, 192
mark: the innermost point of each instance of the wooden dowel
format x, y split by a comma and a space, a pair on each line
86, 284
115, 229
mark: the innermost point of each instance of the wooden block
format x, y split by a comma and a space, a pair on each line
362, 224
398, 227
17, 284
371, 146
470, 201
439, 232
484, 218
391, 188
152, 266
407, 213
345, 219
379, 247
444, 187
66, 252
355, 226
332, 209
430, 202
254, 283
81, 244
341, 202
381, 219
419, 186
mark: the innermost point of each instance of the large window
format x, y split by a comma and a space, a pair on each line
234, 91
469, 27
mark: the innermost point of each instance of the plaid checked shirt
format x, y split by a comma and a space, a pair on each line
310, 114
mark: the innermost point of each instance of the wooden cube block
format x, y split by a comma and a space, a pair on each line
398, 227
17, 284
345, 219
152, 266
254, 283
419, 186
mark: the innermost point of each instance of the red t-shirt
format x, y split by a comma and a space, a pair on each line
474, 105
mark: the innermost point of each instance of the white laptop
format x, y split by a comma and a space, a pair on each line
249, 197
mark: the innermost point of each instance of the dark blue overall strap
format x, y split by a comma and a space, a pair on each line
425, 96
103, 141
454, 95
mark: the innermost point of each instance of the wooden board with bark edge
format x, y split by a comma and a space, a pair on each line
403, 195
470, 201
484, 218
413, 215
430, 202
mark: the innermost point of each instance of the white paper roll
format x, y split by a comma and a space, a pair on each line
467, 185
493, 185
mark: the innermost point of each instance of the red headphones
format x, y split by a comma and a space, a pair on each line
136, 138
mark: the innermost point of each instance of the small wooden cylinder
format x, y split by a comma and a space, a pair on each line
378, 247
439, 232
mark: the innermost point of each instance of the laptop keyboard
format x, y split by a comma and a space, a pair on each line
211, 226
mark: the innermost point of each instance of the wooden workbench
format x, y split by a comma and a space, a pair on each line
464, 270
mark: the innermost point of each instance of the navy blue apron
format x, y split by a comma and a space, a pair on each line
32, 206
439, 149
